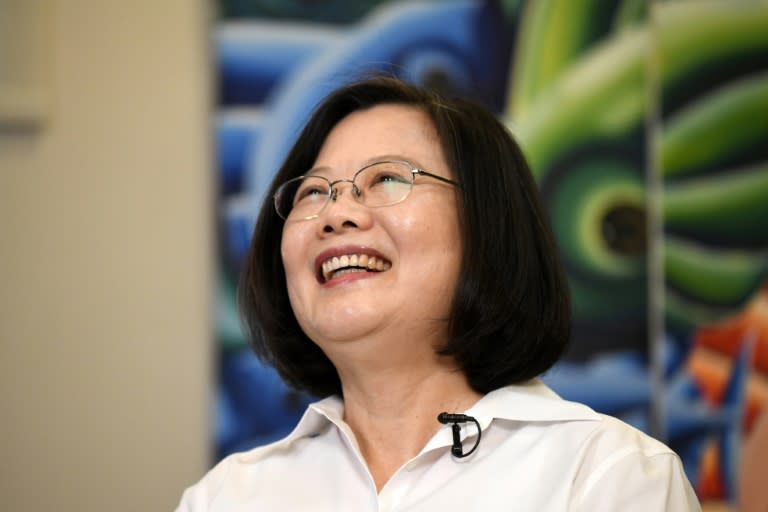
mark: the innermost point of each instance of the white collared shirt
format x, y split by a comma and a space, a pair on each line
537, 453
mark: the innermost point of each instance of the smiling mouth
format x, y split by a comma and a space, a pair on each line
351, 263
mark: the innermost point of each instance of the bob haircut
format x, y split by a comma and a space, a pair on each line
511, 316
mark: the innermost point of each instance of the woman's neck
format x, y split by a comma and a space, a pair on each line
393, 411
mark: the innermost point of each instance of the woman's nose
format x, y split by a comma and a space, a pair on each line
353, 190
344, 211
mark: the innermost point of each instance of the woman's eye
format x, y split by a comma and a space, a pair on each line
307, 193
388, 178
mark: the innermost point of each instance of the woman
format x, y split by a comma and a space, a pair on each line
406, 268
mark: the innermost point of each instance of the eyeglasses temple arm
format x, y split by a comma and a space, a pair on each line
440, 178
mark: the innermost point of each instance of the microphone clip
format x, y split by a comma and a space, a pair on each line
456, 448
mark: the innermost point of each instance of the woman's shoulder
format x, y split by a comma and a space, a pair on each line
618, 466
611, 433
256, 461
200, 495
608, 462
534, 405
622, 465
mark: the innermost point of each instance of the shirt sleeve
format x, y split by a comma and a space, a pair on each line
632, 481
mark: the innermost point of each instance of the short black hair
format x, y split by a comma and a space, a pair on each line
511, 314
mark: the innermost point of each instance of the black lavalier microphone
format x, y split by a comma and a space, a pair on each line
456, 449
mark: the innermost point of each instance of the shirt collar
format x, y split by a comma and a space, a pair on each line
529, 402
532, 401
316, 419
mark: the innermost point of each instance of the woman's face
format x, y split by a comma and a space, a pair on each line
416, 242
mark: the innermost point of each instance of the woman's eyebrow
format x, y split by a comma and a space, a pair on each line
369, 161
389, 156
364, 163
315, 170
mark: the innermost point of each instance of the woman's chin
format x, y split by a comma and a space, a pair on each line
344, 332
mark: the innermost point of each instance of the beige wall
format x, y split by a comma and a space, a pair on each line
105, 265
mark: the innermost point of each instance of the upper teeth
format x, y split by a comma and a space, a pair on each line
362, 261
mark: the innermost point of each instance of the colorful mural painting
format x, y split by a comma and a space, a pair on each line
645, 125
711, 161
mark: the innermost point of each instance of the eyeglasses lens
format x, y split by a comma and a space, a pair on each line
384, 183
379, 184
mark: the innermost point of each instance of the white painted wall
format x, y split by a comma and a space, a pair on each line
106, 265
